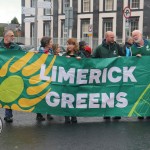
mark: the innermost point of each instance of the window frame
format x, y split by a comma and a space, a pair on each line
84, 2
131, 4
48, 11
45, 25
106, 4
107, 20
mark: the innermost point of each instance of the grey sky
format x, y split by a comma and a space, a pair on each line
10, 9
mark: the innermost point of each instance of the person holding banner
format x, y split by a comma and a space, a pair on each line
109, 48
72, 51
141, 47
45, 47
56, 49
7, 44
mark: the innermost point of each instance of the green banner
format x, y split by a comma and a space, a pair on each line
69, 87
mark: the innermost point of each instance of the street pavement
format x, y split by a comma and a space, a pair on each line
90, 133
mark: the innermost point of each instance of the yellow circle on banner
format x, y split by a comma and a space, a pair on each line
11, 88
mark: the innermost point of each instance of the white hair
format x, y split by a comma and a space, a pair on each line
137, 31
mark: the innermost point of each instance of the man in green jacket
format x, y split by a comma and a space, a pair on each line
109, 48
141, 46
5, 45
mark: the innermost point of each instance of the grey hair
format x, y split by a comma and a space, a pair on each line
138, 31
7, 31
128, 38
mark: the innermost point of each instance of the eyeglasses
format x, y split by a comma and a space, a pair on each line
11, 35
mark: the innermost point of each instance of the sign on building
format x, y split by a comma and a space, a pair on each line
29, 19
127, 12
28, 10
90, 28
45, 17
44, 4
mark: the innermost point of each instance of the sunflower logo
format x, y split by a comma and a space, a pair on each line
20, 81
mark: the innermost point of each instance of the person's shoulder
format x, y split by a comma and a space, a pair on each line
148, 41
99, 47
65, 54
117, 44
1, 42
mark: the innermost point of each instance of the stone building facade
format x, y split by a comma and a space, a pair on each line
89, 21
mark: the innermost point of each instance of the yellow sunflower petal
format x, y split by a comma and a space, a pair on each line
21, 62
6, 106
34, 67
25, 102
3, 70
33, 90
16, 107
36, 79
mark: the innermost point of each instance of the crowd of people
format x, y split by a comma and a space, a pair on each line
134, 46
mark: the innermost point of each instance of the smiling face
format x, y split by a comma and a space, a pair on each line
137, 36
72, 45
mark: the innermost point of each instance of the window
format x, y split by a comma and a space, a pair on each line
134, 23
109, 5
85, 25
135, 3
48, 11
33, 3
66, 3
47, 28
86, 5
64, 33
107, 25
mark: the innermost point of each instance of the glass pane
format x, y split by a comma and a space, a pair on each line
47, 31
48, 11
134, 24
108, 5
86, 5
85, 25
135, 3
33, 3
66, 3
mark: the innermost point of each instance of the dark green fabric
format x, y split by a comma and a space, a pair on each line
107, 51
143, 50
13, 46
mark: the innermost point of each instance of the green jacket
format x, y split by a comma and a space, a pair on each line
107, 51
143, 50
13, 46
76, 54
